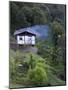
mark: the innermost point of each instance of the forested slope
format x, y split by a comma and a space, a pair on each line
48, 66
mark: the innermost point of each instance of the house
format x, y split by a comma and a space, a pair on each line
25, 36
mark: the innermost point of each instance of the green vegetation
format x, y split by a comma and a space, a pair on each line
28, 69
53, 49
47, 66
28, 14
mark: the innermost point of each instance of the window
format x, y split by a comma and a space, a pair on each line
20, 38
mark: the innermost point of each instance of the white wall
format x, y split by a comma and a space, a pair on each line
26, 40
20, 41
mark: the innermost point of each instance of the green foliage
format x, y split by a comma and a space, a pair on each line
28, 69
52, 49
28, 14
55, 81
24, 15
47, 66
56, 32
38, 76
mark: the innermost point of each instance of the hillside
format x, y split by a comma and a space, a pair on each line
24, 15
44, 63
29, 69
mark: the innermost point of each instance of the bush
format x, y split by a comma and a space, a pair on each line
28, 69
38, 76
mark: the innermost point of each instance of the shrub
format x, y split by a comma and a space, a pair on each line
28, 69
38, 76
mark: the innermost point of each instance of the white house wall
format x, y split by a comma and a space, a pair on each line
33, 40
20, 41
26, 40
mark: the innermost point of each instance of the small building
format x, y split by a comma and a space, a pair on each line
25, 36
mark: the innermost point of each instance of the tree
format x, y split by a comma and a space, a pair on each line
24, 15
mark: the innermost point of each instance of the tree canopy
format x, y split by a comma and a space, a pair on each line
28, 14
